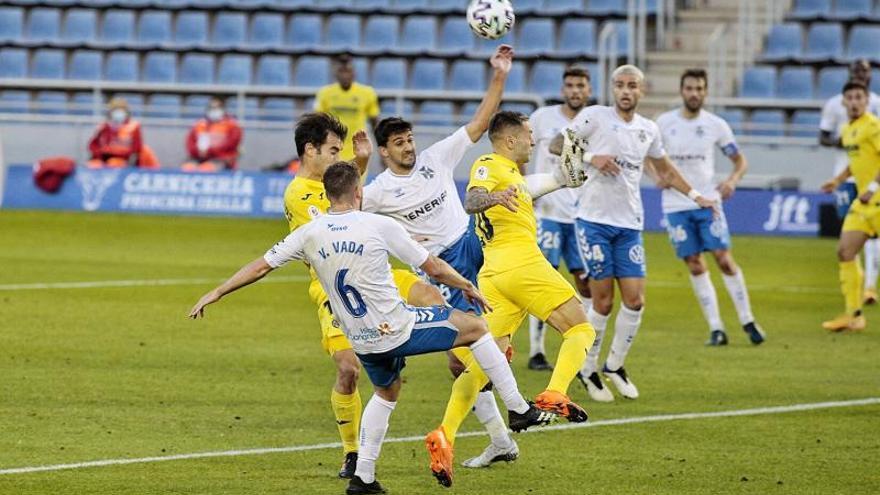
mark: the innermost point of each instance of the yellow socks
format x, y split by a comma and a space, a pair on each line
572, 353
464, 394
851, 285
347, 409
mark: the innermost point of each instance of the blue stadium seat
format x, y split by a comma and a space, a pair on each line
47, 64
811, 9
118, 26
273, 70
516, 80
536, 36
191, 28
577, 37
389, 73
80, 25
436, 113
83, 103
606, 7
824, 41
447, 4
734, 118
267, 30
234, 69
546, 78
795, 83
135, 102
831, 81
164, 106
304, 31
521, 107
380, 32
428, 74
154, 27
312, 72
160, 67
419, 33
455, 37
294, 3
400, 108
372, 4
361, 67
343, 31
852, 9
42, 24
468, 75
15, 101
767, 123
486, 47
758, 82
13, 63
85, 65
194, 106
50, 102
597, 84
566, 6
278, 109
121, 66
805, 123
11, 22
785, 42
230, 29
529, 6
864, 41
196, 68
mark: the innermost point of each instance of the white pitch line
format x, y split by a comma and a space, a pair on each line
97, 284
568, 426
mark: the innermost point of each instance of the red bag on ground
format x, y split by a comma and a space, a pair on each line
49, 173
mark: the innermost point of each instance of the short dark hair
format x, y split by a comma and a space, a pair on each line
851, 84
313, 129
343, 59
504, 120
388, 127
340, 179
694, 73
576, 71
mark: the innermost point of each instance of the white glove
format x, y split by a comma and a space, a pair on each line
571, 171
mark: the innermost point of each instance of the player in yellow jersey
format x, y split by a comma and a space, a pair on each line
860, 138
319, 138
352, 103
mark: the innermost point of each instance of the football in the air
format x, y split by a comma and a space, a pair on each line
490, 19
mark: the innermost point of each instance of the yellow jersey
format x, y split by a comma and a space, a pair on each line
305, 200
510, 239
861, 140
352, 108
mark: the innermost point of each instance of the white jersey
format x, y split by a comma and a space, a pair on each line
616, 201
690, 144
834, 117
349, 253
426, 201
559, 206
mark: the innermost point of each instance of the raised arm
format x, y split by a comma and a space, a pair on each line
363, 148
501, 61
248, 274
478, 199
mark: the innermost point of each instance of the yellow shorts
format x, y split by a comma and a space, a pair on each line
332, 338
863, 218
535, 289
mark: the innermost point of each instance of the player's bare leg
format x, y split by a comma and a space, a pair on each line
346, 402
851, 242
701, 281
736, 287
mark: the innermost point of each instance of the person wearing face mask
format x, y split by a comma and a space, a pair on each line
117, 142
213, 141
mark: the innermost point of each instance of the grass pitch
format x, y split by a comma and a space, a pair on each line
119, 372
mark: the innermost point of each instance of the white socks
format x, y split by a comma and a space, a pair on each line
487, 412
599, 322
626, 326
495, 365
736, 287
708, 300
536, 336
374, 424
872, 262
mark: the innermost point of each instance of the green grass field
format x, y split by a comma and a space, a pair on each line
118, 372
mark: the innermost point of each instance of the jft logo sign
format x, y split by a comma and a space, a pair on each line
790, 213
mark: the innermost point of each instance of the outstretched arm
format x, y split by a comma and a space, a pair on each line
248, 274
478, 199
502, 62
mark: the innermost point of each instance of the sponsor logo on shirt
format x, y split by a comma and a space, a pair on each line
482, 173
428, 207
426, 172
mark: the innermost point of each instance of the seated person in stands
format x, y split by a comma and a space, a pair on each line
213, 141
117, 142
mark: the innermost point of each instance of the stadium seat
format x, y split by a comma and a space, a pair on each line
767, 123
278, 109
389, 74
864, 41
164, 106
852, 9
13, 63
15, 101
805, 123
118, 26
154, 27
121, 66
294, 3
734, 119
785, 42
758, 82
343, 31
267, 30
42, 24
234, 69
831, 81
50, 102
566, 6
521, 107
457, 5
487, 47
80, 26
428, 74
380, 32
83, 103
468, 75
419, 34
135, 102
455, 37
436, 113
312, 72
273, 70
197, 68
371, 4
160, 67
191, 28
606, 7
194, 106
400, 108
795, 83
47, 64
536, 36
516, 80
304, 31
577, 37
11, 22
811, 9
546, 78
85, 65
230, 29
522, 6
361, 67
824, 42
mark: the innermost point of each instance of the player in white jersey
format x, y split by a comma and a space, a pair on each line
610, 216
349, 251
834, 117
690, 135
556, 211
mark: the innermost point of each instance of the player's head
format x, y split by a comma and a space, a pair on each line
397, 147
626, 84
216, 109
855, 98
342, 182
693, 87
860, 70
511, 136
118, 111
319, 138
344, 71
576, 89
